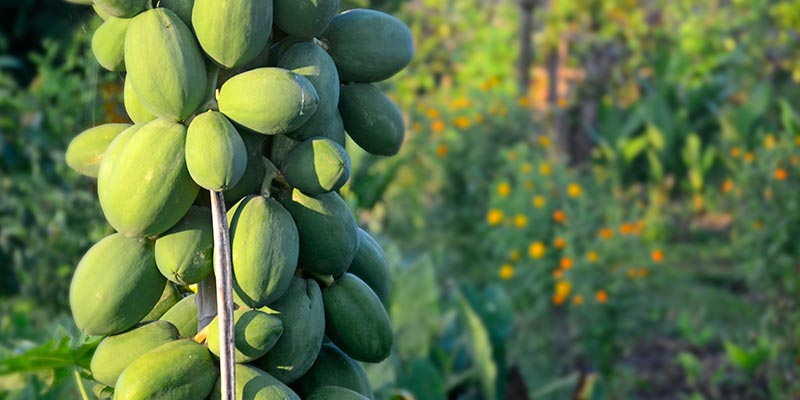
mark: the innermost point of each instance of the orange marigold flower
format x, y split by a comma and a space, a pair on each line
601, 296
626, 229
749, 157
559, 243
592, 256
558, 299
524, 102
632, 273
537, 250
605, 233
657, 255
437, 126
781, 174
559, 216
494, 217
462, 122
416, 127
727, 186
566, 263
736, 152
558, 274
577, 300
442, 150
643, 272
506, 271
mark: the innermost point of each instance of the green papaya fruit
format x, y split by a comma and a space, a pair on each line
322, 124
356, 321
184, 316
254, 384
280, 48
115, 353
115, 284
85, 151
108, 43
232, 32
133, 106
143, 184
335, 393
215, 153
169, 297
165, 65
121, 8
264, 250
328, 234
370, 265
184, 254
368, 45
280, 146
334, 368
181, 8
100, 13
305, 19
268, 100
178, 370
317, 166
254, 172
255, 333
371, 119
303, 316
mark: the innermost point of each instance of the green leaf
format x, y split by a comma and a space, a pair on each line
480, 347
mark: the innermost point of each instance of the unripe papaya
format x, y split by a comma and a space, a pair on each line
280, 146
334, 368
328, 235
85, 151
184, 253
100, 13
215, 153
133, 106
317, 166
115, 353
356, 321
165, 65
305, 19
181, 8
370, 265
264, 250
255, 333
143, 184
232, 32
368, 45
255, 384
254, 173
108, 43
184, 316
121, 8
371, 119
178, 370
115, 284
335, 393
268, 100
169, 297
303, 316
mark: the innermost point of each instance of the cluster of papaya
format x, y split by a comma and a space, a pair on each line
253, 99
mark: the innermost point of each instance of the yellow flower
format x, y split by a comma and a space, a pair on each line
416, 127
769, 141
526, 168
462, 122
479, 118
437, 126
494, 217
577, 300
506, 271
574, 190
442, 150
524, 102
504, 189
736, 152
515, 255
512, 155
727, 186
592, 256
433, 113
559, 243
529, 185
544, 141
537, 250
544, 169
749, 157
797, 140
539, 201
605, 233
461, 102
563, 288
520, 221
558, 300
632, 273
643, 272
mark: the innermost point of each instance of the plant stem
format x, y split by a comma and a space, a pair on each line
224, 281
79, 382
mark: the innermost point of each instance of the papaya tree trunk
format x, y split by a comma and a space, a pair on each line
224, 295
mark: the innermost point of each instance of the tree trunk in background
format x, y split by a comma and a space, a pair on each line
526, 45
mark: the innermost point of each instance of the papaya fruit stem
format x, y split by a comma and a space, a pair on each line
326, 280
79, 383
224, 281
202, 335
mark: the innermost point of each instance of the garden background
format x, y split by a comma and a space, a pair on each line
596, 199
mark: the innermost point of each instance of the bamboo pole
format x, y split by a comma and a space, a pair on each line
224, 284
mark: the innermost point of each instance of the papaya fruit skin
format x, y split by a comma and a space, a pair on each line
115, 353
371, 266
264, 250
328, 235
255, 384
165, 65
108, 43
178, 370
86, 151
133, 106
305, 19
317, 166
232, 32
184, 254
115, 284
143, 184
215, 153
181, 8
280, 146
356, 321
335, 393
255, 333
371, 119
184, 316
100, 13
368, 45
121, 8
269, 101
254, 172
169, 297
303, 316
334, 368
